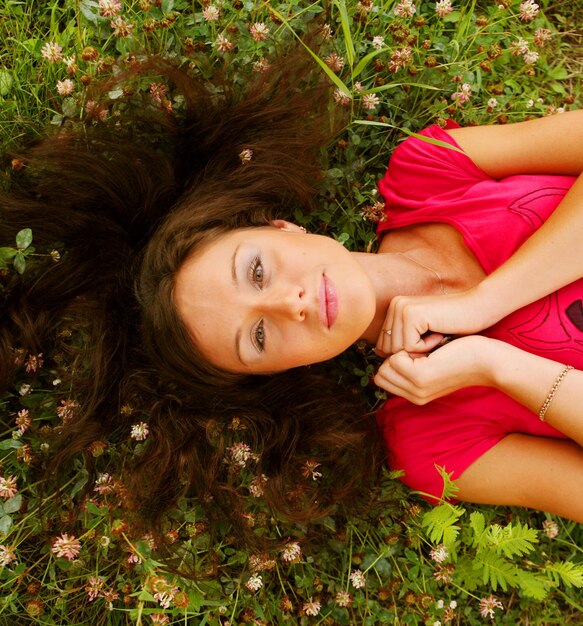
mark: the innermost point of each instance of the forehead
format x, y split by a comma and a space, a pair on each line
204, 290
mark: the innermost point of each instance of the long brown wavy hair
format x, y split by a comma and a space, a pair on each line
127, 200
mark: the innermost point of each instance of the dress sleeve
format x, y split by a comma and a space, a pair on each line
420, 170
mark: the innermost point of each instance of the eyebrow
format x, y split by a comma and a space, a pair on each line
234, 264
236, 282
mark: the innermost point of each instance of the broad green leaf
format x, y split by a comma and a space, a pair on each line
7, 253
19, 262
13, 504
5, 524
5, 82
24, 238
10, 444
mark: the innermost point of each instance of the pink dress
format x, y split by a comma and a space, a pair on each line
429, 183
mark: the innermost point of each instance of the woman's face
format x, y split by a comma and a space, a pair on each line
259, 300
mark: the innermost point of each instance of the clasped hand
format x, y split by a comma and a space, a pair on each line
413, 368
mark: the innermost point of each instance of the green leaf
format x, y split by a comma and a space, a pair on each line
13, 504
81, 482
5, 82
348, 43
24, 239
86, 7
10, 444
5, 524
532, 586
394, 85
19, 262
477, 524
512, 540
452, 17
496, 571
450, 489
440, 523
365, 61
558, 73
436, 142
337, 81
567, 572
7, 253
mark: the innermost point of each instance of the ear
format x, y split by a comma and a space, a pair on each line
287, 226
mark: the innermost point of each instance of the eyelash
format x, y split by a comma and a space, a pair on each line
258, 333
258, 337
256, 265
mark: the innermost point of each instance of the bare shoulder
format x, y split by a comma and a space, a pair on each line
522, 470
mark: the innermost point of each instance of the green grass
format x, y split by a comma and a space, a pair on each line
498, 551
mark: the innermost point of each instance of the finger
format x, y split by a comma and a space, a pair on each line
391, 380
426, 343
383, 344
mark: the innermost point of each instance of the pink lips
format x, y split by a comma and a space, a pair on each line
328, 302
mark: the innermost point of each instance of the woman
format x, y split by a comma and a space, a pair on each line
296, 299
183, 211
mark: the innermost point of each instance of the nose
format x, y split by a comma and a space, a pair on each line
285, 303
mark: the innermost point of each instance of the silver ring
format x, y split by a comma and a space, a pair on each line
388, 332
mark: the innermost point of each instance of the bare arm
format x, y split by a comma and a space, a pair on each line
523, 470
481, 361
535, 472
552, 145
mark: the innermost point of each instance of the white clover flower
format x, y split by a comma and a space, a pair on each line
528, 10
443, 8
52, 52
140, 431
439, 554
378, 42
312, 608
358, 579
531, 57
487, 606
259, 31
65, 87
291, 552
211, 13
254, 583
550, 528
370, 101
405, 8
223, 44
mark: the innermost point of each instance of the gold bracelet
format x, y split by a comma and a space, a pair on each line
547, 403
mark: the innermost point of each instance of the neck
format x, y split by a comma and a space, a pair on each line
396, 274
